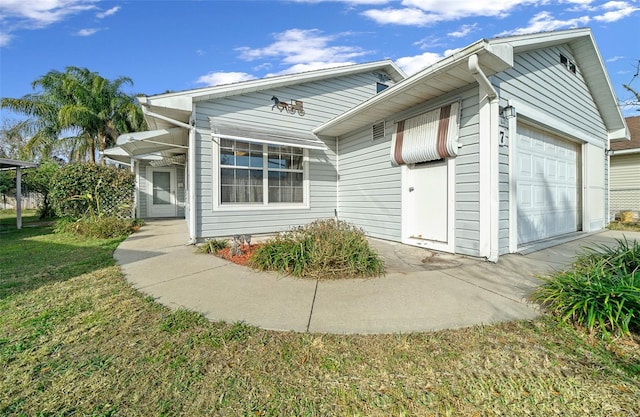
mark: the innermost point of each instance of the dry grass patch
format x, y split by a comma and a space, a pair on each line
91, 345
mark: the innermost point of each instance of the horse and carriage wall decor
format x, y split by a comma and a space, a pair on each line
291, 108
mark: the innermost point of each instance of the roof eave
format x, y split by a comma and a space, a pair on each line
494, 58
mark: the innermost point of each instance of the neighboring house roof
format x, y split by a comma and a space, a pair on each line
633, 145
494, 55
14, 163
178, 105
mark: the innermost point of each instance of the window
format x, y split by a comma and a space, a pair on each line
380, 87
255, 173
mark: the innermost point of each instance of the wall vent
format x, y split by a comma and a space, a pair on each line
377, 131
567, 63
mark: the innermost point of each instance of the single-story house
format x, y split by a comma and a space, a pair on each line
624, 179
498, 148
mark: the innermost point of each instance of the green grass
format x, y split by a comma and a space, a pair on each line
83, 342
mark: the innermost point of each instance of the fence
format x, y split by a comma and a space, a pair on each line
28, 201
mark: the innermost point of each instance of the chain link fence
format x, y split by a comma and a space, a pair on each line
624, 199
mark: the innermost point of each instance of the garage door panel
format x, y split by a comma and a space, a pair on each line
547, 185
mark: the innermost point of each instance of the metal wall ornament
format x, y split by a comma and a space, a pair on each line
291, 108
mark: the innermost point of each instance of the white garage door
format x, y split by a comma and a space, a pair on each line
548, 185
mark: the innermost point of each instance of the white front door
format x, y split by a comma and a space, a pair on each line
548, 185
162, 193
426, 204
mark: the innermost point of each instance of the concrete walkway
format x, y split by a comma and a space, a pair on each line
421, 291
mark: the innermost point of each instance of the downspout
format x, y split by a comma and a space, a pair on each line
191, 165
489, 175
191, 177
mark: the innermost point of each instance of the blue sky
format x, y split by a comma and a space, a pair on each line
179, 45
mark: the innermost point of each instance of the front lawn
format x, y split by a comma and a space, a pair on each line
76, 339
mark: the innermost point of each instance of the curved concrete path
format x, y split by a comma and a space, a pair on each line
421, 291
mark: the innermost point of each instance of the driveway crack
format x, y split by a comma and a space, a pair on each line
313, 303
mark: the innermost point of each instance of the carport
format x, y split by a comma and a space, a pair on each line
6, 164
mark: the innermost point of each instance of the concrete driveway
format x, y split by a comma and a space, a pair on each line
422, 290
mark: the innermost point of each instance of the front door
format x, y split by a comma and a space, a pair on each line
426, 203
162, 195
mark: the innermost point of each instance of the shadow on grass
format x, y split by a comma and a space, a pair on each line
35, 256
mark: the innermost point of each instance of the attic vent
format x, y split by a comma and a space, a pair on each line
377, 131
567, 63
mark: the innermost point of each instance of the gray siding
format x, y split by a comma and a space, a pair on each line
369, 186
468, 177
539, 79
322, 100
503, 173
143, 186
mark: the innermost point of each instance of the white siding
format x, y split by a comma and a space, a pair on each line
322, 100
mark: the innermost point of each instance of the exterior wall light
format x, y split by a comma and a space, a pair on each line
508, 112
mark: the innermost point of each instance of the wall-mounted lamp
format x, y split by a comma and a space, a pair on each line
508, 112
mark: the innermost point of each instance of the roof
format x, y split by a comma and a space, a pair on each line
632, 145
178, 105
494, 55
14, 163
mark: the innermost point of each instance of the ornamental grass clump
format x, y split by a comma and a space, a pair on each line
326, 249
600, 293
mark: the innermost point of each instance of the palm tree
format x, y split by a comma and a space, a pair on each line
93, 109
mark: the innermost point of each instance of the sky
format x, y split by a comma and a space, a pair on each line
172, 45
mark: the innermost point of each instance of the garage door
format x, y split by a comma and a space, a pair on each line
548, 185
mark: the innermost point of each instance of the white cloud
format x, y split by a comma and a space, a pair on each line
463, 31
298, 46
413, 64
109, 12
615, 58
617, 10
41, 13
36, 14
406, 17
217, 78
425, 12
5, 39
545, 22
87, 31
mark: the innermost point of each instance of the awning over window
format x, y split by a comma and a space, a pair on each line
225, 130
427, 137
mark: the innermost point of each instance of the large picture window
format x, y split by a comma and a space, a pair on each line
259, 174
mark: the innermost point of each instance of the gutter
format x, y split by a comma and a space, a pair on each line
489, 163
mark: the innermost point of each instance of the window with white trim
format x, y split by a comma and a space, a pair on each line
261, 174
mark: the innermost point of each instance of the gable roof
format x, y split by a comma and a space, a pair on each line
178, 105
633, 145
494, 55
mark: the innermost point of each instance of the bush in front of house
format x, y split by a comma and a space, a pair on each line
98, 227
322, 249
83, 189
600, 293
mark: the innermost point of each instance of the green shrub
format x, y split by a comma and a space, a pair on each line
601, 292
88, 189
99, 227
322, 249
213, 246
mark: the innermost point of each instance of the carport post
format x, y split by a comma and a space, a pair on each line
18, 198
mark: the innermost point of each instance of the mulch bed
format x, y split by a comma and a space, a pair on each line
239, 259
